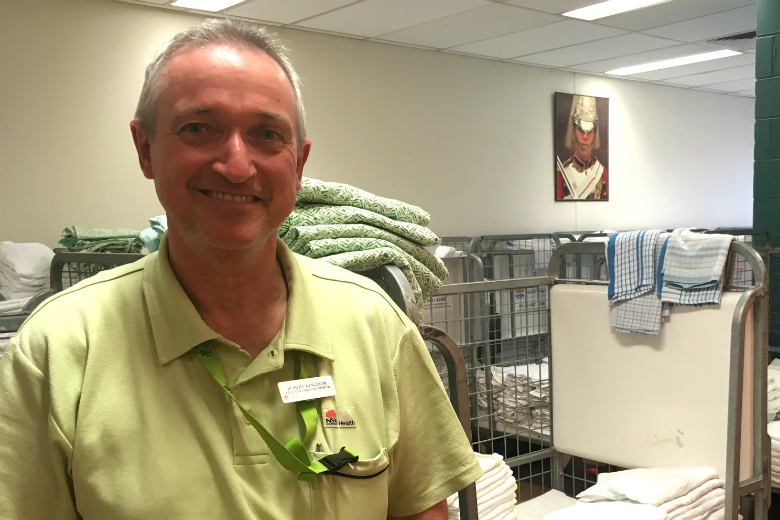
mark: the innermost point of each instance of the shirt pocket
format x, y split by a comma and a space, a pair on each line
358, 492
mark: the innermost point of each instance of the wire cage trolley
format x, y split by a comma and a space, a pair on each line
562, 416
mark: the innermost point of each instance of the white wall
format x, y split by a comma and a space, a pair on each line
470, 140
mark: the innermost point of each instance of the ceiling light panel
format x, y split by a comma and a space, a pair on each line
538, 39
710, 26
670, 13
374, 17
285, 11
611, 8
716, 76
551, 6
599, 50
470, 26
675, 62
602, 66
207, 5
699, 68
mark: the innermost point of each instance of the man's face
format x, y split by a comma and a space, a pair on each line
584, 140
224, 157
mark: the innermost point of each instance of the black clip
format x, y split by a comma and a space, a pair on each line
338, 460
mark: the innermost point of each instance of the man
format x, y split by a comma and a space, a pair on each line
152, 391
582, 176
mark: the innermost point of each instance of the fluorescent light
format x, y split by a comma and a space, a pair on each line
676, 62
207, 5
604, 9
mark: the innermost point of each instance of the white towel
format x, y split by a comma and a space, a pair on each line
30, 260
773, 429
652, 486
608, 511
710, 502
674, 505
541, 506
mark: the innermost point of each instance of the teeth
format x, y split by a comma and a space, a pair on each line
234, 198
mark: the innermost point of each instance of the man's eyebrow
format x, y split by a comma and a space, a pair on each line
272, 116
194, 110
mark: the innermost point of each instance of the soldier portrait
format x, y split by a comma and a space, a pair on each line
581, 147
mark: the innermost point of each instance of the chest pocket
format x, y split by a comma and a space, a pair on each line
358, 492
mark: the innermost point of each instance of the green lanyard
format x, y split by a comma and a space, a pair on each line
292, 455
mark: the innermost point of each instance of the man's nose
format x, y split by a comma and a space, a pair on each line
235, 162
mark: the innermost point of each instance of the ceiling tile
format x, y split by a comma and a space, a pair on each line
538, 39
710, 26
670, 12
553, 6
747, 93
284, 11
716, 76
599, 50
374, 17
470, 26
641, 58
733, 86
698, 68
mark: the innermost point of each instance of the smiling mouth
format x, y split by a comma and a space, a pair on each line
246, 199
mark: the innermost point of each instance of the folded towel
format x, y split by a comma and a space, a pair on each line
319, 192
642, 313
653, 486
297, 239
695, 260
537, 508
631, 258
25, 260
71, 235
707, 504
313, 214
693, 268
152, 235
680, 503
608, 511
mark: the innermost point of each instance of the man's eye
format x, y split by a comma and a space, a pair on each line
194, 128
270, 135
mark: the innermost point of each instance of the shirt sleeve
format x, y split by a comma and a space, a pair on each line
34, 452
432, 458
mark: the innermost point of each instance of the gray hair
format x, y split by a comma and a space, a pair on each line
225, 30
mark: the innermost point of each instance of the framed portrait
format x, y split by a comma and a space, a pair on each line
581, 148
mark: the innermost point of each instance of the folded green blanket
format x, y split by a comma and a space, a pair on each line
319, 192
118, 245
313, 214
366, 260
71, 235
298, 238
349, 248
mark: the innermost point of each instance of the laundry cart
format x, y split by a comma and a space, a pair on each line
69, 268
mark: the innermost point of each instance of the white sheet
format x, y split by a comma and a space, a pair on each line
653, 486
608, 511
541, 506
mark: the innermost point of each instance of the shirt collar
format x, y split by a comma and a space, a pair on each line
177, 326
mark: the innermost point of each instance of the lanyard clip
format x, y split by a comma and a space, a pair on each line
338, 460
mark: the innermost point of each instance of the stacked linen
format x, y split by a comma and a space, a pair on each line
773, 429
24, 271
96, 240
359, 231
773, 390
652, 494
541, 506
520, 395
692, 272
496, 491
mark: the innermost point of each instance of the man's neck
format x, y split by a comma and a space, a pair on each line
241, 295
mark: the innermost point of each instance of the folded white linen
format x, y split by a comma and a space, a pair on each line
652, 486
541, 506
31, 260
608, 511
773, 429
710, 502
13, 306
496, 511
674, 505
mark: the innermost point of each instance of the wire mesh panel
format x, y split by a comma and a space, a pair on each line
67, 269
459, 243
514, 256
505, 341
579, 474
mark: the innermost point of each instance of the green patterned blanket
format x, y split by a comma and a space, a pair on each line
97, 240
313, 214
319, 192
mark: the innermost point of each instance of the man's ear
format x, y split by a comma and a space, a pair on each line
142, 147
301, 162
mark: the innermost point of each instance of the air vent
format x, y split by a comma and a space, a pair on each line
734, 37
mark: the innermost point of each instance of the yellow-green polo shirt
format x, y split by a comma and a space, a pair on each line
106, 413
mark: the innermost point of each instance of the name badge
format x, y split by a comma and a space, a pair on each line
307, 389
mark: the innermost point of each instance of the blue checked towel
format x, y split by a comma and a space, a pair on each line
631, 260
693, 268
642, 313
